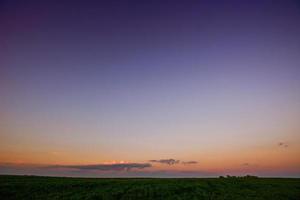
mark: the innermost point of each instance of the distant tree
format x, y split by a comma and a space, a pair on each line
250, 176
231, 177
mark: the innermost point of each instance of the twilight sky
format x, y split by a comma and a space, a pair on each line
150, 88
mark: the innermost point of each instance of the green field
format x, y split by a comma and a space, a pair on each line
32, 187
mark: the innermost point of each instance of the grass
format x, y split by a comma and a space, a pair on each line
34, 187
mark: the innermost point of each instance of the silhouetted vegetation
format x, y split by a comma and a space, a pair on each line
231, 188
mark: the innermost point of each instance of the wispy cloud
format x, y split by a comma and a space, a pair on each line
189, 162
172, 161
283, 144
246, 164
166, 161
104, 167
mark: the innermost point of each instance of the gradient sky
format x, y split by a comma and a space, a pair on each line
117, 88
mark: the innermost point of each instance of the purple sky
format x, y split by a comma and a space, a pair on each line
90, 82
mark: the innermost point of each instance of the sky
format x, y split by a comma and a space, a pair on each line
150, 88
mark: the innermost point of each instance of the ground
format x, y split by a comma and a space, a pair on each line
33, 187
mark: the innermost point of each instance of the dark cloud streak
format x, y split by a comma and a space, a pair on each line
103, 167
172, 161
189, 162
283, 144
166, 161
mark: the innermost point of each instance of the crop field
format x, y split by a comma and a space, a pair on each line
34, 187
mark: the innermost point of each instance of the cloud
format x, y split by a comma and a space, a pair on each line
173, 162
166, 161
283, 144
89, 171
104, 167
246, 164
189, 162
